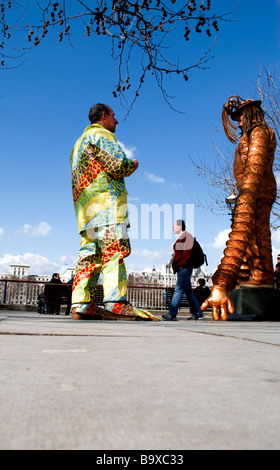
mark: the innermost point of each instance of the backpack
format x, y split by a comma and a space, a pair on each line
197, 258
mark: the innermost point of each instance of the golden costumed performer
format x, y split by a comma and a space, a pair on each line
249, 243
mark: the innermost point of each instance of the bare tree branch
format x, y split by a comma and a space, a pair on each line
141, 29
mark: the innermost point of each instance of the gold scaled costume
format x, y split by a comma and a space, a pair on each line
249, 242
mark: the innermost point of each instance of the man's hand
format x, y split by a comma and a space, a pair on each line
136, 163
220, 303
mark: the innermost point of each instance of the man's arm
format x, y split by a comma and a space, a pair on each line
109, 153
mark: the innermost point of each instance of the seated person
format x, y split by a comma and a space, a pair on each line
201, 292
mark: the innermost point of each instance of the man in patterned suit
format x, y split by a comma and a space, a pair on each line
98, 166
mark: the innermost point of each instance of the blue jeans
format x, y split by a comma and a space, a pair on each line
183, 286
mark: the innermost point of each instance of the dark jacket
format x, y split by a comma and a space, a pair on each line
277, 275
52, 293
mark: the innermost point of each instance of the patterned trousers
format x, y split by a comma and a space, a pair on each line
102, 251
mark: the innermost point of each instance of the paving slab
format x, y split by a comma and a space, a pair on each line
118, 385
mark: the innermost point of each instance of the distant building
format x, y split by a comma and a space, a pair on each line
68, 274
152, 295
165, 277
26, 293
19, 270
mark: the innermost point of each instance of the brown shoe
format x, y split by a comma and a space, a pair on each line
93, 313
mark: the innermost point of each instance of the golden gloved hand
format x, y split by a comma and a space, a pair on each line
220, 303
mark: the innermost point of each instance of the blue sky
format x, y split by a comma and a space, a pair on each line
44, 107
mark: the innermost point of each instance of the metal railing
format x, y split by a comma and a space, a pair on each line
20, 291
25, 293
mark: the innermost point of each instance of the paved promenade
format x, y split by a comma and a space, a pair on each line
182, 385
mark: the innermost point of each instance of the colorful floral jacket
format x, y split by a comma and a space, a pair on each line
98, 166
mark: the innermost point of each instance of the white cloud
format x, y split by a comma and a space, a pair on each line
134, 199
129, 151
150, 255
38, 264
153, 178
2, 233
221, 239
275, 236
153, 256
41, 230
